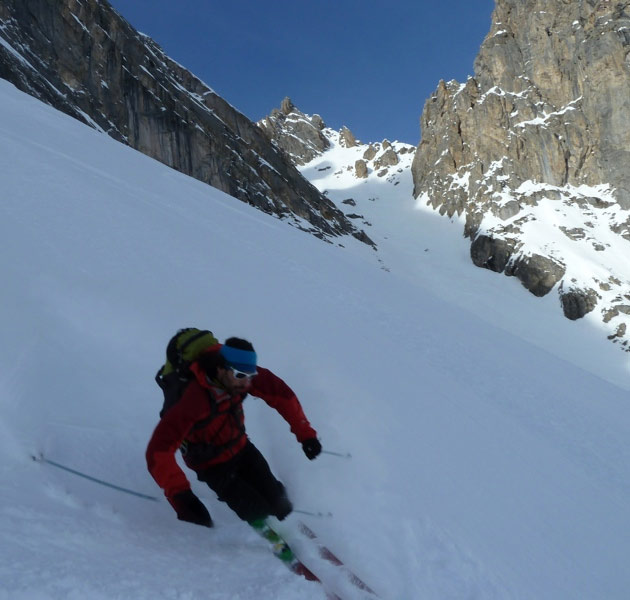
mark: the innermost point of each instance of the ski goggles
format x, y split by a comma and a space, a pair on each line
242, 374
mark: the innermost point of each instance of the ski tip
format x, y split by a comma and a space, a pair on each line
300, 568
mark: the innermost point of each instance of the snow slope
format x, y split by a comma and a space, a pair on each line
484, 466
431, 248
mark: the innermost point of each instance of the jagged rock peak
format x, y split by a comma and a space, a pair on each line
346, 138
299, 135
542, 126
287, 106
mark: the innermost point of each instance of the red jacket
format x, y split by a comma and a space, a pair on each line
206, 414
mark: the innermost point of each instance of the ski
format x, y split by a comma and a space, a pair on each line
283, 551
327, 555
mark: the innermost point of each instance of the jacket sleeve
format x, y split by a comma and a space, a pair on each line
277, 394
168, 437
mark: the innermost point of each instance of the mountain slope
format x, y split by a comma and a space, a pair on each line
83, 58
482, 466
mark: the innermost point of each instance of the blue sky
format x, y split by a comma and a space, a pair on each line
364, 64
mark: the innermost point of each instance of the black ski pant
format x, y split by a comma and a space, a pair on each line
248, 486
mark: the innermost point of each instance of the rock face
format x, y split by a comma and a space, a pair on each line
534, 150
82, 58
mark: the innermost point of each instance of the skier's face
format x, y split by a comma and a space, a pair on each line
233, 383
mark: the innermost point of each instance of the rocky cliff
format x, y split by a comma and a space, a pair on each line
534, 152
81, 57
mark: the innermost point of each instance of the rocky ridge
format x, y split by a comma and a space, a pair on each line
83, 58
533, 151
304, 137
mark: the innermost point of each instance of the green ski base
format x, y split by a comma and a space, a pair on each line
279, 547
282, 550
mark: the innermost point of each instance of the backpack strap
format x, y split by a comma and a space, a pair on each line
200, 452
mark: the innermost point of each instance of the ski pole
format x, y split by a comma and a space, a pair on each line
308, 513
43, 459
341, 455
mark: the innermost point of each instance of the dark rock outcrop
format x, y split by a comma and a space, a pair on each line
491, 253
83, 58
538, 274
577, 303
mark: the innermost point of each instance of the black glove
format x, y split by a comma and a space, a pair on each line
311, 448
189, 508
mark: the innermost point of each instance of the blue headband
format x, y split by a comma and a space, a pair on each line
242, 360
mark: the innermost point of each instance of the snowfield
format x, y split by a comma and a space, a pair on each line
490, 437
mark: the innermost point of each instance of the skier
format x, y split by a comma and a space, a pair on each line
207, 424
